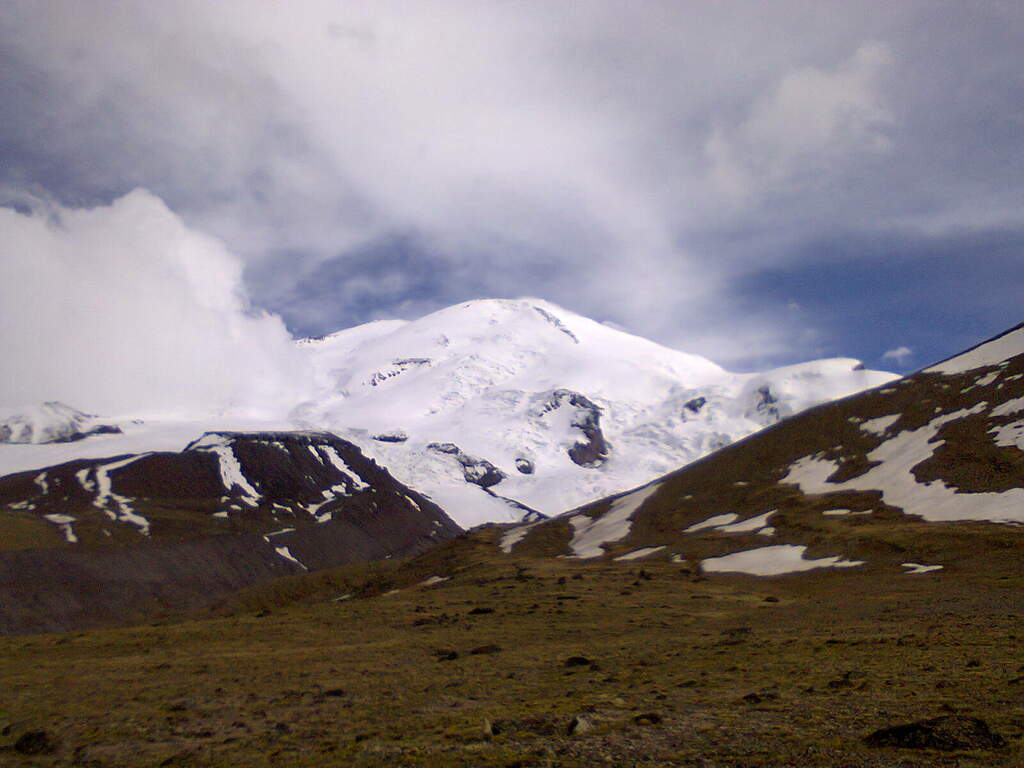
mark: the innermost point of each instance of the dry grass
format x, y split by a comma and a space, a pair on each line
286, 676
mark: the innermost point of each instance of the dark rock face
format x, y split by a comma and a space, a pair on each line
117, 538
593, 450
398, 367
477, 471
525, 466
945, 733
766, 403
694, 405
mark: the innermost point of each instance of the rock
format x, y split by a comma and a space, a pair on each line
758, 698
483, 650
647, 718
474, 470
480, 611
35, 743
694, 405
396, 436
593, 450
577, 661
525, 466
444, 655
946, 733
580, 724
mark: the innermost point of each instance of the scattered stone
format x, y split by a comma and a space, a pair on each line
759, 698
445, 655
35, 743
480, 611
577, 661
647, 718
481, 650
334, 692
973, 664
580, 724
946, 733
841, 682
771, 599
282, 728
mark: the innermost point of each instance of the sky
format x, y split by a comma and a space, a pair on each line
185, 185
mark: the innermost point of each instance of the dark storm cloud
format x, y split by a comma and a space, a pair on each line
669, 170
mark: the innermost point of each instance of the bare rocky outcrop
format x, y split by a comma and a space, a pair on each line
475, 470
593, 449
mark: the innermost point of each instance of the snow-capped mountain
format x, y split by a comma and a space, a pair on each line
495, 409
526, 401
849, 484
51, 422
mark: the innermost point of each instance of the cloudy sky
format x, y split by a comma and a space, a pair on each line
761, 183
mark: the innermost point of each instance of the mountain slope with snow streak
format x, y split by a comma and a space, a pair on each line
856, 483
105, 538
564, 408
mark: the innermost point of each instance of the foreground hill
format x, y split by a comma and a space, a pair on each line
524, 400
853, 484
93, 540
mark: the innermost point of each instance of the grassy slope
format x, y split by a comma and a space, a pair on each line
286, 676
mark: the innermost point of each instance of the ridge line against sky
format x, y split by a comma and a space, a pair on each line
757, 184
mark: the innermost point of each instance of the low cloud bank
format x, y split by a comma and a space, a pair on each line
124, 310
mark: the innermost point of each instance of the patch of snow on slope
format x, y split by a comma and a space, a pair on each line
918, 568
878, 426
105, 496
751, 525
510, 538
590, 533
894, 478
992, 352
712, 522
1010, 435
230, 470
639, 553
339, 464
772, 561
64, 523
287, 555
1009, 408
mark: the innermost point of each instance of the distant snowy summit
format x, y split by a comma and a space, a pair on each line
496, 407
51, 422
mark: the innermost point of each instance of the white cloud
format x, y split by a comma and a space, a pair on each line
637, 166
810, 120
899, 354
125, 310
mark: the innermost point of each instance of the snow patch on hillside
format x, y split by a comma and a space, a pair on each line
591, 533
775, 560
992, 352
893, 477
